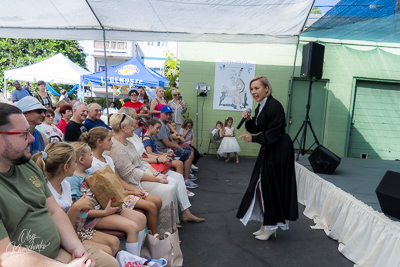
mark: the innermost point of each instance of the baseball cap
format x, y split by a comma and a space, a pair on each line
166, 109
29, 103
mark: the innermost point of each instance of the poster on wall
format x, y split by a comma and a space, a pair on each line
231, 86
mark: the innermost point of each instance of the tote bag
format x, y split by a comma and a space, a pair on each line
167, 248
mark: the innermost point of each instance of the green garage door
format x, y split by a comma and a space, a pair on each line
297, 113
375, 124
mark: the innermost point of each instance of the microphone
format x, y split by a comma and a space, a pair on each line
243, 119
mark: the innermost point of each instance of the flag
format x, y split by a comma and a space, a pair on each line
9, 79
51, 82
118, 92
89, 82
34, 80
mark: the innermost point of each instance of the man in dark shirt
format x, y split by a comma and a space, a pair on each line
75, 126
94, 117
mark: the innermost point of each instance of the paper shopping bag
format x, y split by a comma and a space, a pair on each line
105, 186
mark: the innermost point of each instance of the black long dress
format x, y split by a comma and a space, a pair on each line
275, 163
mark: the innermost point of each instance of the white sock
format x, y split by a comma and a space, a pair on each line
132, 248
140, 240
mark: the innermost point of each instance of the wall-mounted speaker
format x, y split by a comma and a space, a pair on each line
313, 60
388, 193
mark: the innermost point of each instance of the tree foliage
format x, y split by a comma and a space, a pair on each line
16, 53
171, 68
316, 10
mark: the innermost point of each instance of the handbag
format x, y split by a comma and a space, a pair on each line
167, 248
126, 259
161, 167
105, 186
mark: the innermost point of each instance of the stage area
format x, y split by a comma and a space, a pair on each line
223, 241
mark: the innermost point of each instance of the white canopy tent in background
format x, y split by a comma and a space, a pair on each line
232, 21
238, 21
58, 68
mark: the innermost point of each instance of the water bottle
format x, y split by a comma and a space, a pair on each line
80, 221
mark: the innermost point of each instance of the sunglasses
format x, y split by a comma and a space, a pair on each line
123, 118
48, 116
176, 94
134, 94
14, 133
39, 111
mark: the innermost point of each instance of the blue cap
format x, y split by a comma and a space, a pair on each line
29, 103
166, 109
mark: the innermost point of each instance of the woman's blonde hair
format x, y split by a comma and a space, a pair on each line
128, 111
264, 80
174, 90
158, 88
95, 134
54, 156
116, 119
79, 148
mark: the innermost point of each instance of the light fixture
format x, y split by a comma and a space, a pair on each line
202, 89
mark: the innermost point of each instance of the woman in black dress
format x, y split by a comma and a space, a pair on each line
271, 196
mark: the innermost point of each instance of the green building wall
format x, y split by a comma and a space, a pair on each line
198, 65
343, 65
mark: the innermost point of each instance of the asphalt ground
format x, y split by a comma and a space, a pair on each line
224, 241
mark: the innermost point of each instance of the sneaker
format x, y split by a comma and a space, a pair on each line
194, 168
191, 194
192, 177
190, 184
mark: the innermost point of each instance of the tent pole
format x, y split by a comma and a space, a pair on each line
105, 66
294, 65
291, 81
5, 90
105, 54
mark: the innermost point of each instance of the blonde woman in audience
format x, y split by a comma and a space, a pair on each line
58, 161
157, 103
178, 106
132, 168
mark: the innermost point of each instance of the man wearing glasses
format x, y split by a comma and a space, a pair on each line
33, 227
138, 106
34, 114
94, 117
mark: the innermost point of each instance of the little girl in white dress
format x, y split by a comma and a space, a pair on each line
229, 144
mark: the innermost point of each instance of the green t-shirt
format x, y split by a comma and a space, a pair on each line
24, 217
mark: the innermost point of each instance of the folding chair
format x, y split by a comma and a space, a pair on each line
214, 142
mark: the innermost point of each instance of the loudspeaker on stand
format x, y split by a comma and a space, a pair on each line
313, 60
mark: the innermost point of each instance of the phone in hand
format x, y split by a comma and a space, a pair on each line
180, 98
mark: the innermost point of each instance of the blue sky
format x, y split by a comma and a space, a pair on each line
325, 5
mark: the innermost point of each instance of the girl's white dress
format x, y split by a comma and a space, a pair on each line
228, 144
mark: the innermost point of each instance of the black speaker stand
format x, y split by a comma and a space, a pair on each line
306, 122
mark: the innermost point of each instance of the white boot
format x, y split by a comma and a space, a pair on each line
259, 232
266, 234
132, 248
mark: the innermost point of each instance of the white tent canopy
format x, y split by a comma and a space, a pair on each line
57, 68
240, 21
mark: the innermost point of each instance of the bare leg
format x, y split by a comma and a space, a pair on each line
151, 210
119, 223
106, 242
178, 165
228, 156
237, 157
260, 200
186, 166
